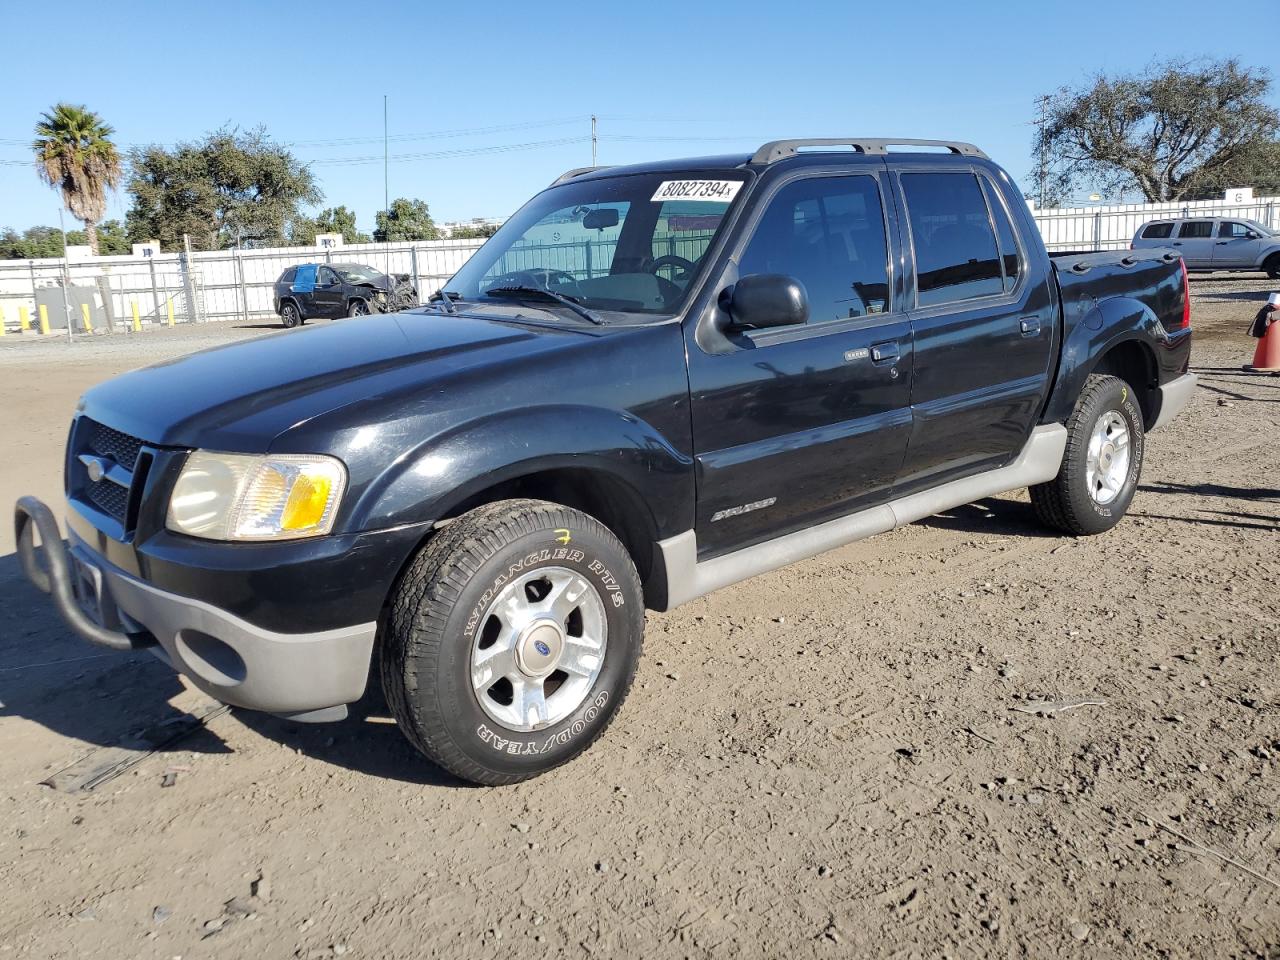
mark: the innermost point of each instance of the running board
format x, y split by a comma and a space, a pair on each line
687, 578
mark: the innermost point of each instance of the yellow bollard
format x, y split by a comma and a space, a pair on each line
44, 318
137, 324
88, 321
24, 319
170, 306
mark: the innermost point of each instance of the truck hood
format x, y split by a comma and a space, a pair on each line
240, 397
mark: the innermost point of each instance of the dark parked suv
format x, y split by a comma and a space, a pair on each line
330, 290
654, 381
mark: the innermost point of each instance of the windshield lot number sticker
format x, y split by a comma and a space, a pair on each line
708, 191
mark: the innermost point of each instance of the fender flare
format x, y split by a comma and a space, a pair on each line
1110, 323
446, 470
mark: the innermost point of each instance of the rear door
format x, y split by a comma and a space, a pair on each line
1194, 241
983, 323
1237, 245
797, 424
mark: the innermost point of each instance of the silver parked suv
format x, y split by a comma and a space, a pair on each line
1215, 244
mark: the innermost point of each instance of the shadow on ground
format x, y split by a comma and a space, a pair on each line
1010, 518
99, 698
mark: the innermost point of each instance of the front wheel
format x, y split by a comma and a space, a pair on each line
513, 638
1272, 266
358, 308
1102, 463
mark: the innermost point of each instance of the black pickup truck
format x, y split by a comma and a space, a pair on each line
654, 381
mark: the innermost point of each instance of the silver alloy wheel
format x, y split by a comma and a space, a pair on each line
1107, 462
539, 649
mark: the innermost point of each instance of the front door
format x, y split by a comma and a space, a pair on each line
1237, 246
1195, 242
983, 326
794, 425
330, 297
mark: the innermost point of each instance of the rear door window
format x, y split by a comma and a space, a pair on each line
828, 233
1158, 231
1196, 229
952, 237
1010, 256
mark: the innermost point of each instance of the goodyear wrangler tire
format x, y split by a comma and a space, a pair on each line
1102, 463
512, 640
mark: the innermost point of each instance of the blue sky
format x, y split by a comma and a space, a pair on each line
670, 79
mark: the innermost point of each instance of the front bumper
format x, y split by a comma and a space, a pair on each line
308, 676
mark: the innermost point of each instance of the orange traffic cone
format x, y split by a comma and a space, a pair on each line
1266, 359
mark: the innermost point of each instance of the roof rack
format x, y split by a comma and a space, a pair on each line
576, 172
781, 149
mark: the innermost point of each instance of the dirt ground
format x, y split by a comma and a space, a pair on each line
822, 761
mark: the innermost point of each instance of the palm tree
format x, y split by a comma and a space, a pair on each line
74, 153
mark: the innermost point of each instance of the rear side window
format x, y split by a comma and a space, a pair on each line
1010, 258
1196, 228
828, 233
955, 247
288, 275
1158, 231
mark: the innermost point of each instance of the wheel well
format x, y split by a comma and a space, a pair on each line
609, 500
1134, 364
293, 300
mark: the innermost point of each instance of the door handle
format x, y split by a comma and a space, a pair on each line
1030, 326
1222, 243
886, 352
1177, 243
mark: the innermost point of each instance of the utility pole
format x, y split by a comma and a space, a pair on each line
66, 274
1041, 124
386, 195
593, 140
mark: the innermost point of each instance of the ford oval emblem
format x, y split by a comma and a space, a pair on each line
542, 648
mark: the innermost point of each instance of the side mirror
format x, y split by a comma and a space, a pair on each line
1251, 235
767, 300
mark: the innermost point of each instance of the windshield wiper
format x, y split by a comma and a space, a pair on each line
571, 302
445, 299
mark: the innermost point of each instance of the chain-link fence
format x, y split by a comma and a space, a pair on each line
124, 293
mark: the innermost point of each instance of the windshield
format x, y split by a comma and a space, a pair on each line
358, 273
620, 245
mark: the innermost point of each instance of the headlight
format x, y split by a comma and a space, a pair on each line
231, 496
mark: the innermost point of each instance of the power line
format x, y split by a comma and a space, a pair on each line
444, 154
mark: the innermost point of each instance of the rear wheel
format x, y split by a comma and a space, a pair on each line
289, 315
513, 638
1102, 463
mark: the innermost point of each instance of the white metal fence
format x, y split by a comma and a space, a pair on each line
237, 285
221, 285
1111, 227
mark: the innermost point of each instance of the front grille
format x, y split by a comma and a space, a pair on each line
118, 449
110, 498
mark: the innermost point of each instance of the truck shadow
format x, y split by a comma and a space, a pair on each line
100, 698
1010, 518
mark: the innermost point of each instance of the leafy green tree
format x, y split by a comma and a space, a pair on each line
1175, 131
232, 188
473, 232
74, 154
112, 239
331, 220
36, 243
406, 220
